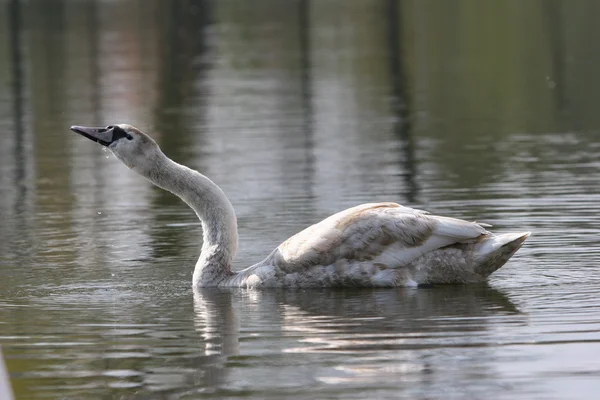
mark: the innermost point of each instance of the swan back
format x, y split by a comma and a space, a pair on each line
382, 233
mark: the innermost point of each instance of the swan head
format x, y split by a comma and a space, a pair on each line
130, 145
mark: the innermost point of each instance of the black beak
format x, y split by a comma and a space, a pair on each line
104, 136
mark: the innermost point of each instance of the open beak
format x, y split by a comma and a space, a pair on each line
104, 136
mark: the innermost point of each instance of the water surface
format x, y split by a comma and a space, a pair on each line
297, 109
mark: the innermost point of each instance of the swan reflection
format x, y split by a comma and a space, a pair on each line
352, 335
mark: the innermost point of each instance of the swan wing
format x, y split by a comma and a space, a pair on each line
383, 233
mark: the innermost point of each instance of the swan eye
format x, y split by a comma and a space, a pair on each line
119, 133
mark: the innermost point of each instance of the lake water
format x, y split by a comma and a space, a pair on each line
480, 110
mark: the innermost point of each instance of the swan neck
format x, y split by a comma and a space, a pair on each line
213, 208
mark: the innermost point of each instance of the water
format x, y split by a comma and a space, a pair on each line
297, 109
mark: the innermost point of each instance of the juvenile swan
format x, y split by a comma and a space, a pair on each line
370, 245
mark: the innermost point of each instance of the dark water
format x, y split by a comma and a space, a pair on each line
298, 109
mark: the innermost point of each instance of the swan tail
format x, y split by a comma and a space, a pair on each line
494, 252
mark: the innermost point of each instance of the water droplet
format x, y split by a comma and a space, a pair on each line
99, 213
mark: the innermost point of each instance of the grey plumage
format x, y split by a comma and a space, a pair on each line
370, 245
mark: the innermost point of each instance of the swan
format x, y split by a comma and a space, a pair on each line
370, 245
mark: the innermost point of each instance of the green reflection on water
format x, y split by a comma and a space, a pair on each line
297, 108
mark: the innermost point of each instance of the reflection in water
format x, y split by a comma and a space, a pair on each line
5, 387
407, 332
14, 20
297, 109
217, 320
556, 80
306, 92
399, 99
94, 53
17, 154
181, 96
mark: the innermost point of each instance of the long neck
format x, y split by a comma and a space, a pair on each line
219, 224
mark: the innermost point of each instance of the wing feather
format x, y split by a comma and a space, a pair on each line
383, 233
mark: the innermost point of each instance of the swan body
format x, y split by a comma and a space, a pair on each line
370, 245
